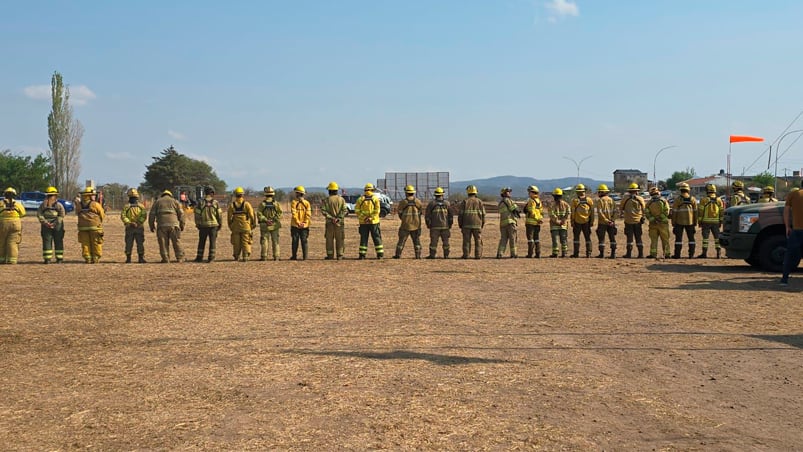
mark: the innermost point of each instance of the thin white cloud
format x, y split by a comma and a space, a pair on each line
119, 156
79, 95
176, 135
561, 8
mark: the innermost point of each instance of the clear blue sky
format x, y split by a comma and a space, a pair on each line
304, 92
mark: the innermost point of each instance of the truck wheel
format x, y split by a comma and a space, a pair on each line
771, 253
383, 212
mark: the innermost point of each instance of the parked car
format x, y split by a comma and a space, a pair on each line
385, 203
32, 199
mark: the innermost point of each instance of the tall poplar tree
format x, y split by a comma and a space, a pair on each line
65, 134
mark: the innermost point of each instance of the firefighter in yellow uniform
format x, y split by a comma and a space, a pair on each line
632, 207
471, 220
134, 216
367, 208
334, 210
409, 210
768, 195
606, 220
534, 216
710, 214
90, 226
439, 220
657, 212
208, 220
269, 215
738, 197
51, 218
300, 217
559, 217
508, 221
10, 227
166, 218
582, 220
684, 218
241, 221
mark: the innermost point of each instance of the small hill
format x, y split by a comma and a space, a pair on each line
520, 184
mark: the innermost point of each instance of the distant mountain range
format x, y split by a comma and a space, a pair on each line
520, 184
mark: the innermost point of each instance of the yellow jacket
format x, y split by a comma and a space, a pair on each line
301, 213
534, 211
582, 210
606, 210
241, 216
90, 216
684, 211
12, 210
632, 207
710, 211
367, 209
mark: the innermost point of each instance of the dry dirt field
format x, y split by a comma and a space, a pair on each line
550, 354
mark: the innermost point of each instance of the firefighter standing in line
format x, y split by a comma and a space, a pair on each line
439, 221
409, 210
166, 218
90, 226
534, 217
632, 207
559, 214
334, 211
209, 221
508, 220
269, 215
241, 221
300, 218
710, 214
51, 217
471, 220
768, 195
367, 208
738, 197
606, 220
10, 227
657, 212
582, 220
684, 217
134, 216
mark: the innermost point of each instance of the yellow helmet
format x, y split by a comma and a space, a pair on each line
51, 190
737, 184
268, 191
632, 186
410, 190
557, 192
369, 187
132, 193
239, 191
683, 186
471, 190
533, 189
602, 188
505, 190
300, 189
710, 188
654, 191
580, 188
333, 186
438, 191
167, 193
91, 191
768, 190
10, 190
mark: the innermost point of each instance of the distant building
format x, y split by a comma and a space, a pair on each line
624, 177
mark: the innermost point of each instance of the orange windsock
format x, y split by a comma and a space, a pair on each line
743, 138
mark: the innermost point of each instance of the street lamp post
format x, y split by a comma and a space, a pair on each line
778, 152
577, 164
655, 160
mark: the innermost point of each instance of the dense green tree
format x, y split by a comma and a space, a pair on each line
680, 176
24, 173
172, 169
764, 179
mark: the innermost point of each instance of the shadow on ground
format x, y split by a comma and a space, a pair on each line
741, 283
795, 340
442, 360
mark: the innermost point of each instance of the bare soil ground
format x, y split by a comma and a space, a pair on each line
554, 354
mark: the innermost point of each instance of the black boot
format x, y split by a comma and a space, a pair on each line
418, 254
613, 252
677, 252
718, 253
141, 259
691, 251
628, 252
530, 247
703, 254
446, 254
127, 259
640, 251
601, 253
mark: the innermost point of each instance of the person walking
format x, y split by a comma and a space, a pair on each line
241, 220
334, 211
582, 220
51, 219
439, 220
657, 212
409, 210
209, 221
269, 215
166, 218
301, 216
134, 216
606, 220
710, 214
471, 220
534, 217
508, 221
793, 223
559, 217
10, 227
90, 226
632, 207
368, 208
684, 217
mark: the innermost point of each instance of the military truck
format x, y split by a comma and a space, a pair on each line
756, 233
